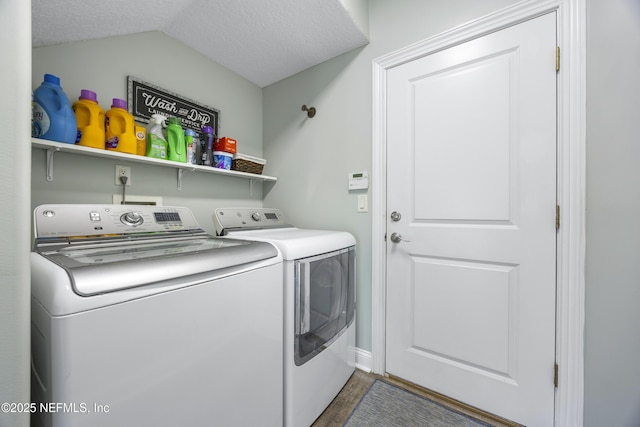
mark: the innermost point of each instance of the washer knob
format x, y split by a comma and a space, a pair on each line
132, 218
255, 216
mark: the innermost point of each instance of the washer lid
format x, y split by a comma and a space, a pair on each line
102, 267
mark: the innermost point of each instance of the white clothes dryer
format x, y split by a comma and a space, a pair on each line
319, 306
139, 318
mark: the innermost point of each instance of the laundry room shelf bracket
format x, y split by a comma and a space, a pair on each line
180, 175
50, 154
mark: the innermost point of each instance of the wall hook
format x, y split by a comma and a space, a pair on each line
310, 111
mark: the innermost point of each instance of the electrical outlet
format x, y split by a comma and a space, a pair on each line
123, 171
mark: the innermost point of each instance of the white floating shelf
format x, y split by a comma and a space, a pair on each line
54, 147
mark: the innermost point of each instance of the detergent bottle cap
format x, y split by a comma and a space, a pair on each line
88, 95
207, 129
174, 120
119, 103
189, 132
50, 78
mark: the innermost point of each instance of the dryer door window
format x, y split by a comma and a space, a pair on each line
324, 301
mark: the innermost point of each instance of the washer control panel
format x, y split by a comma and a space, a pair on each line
110, 220
226, 219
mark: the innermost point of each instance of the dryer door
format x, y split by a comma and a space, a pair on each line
324, 301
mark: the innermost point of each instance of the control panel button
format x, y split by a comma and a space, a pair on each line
255, 216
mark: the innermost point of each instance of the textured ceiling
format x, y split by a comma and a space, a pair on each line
263, 41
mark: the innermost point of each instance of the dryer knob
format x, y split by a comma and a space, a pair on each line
255, 216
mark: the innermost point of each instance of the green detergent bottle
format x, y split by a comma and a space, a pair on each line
175, 141
156, 143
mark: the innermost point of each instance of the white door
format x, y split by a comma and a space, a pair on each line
471, 163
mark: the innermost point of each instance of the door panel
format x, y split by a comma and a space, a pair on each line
464, 309
472, 169
477, 183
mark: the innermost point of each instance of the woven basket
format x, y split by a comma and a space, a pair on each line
244, 163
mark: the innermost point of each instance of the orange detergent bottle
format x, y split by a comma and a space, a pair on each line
120, 128
90, 119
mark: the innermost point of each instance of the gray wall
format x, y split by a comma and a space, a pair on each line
312, 157
15, 117
612, 355
103, 66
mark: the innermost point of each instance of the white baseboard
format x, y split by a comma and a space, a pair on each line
363, 360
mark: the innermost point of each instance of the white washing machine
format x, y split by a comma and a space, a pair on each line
319, 290
139, 318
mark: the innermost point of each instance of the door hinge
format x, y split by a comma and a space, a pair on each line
557, 217
555, 375
557, 58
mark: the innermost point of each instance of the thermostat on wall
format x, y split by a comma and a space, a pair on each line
358, 181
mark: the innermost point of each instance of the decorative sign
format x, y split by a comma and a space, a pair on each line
146, 99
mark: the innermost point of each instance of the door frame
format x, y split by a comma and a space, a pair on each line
570, 305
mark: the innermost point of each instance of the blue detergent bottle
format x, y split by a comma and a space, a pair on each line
52, 115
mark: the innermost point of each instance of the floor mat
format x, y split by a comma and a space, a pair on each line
385, 405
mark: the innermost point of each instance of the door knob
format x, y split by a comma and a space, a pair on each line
397, 238
395, 216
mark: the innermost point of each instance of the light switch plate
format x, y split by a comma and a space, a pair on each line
363, 203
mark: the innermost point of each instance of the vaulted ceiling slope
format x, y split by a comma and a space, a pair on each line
263, 41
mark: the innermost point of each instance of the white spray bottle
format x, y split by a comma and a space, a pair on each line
156, 141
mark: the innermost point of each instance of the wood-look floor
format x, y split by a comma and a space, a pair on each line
340, 409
